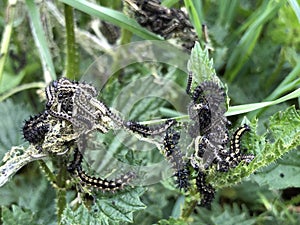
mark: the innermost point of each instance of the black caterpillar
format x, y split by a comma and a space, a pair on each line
206, 190
175, 157
35, 129
145, 130
110, 32
232, 158
99, 183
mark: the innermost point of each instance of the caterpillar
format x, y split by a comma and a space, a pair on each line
148, 130
35, 129
232, 158
206, 190
175, 157
110, 32
96, 182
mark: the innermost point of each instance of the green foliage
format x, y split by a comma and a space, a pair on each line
17, 216
172, 221
40, 39
115, 210
282, 174
268, 147
30, 192
255, 57
12, 117
113, 17
225, 215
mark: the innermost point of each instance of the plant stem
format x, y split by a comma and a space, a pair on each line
61, 189
190, 204
72, 65
51, 177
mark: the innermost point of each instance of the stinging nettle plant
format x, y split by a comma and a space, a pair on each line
270, 142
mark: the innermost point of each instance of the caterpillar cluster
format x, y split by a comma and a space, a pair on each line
167, 22
74, 103
72, 106
209, 129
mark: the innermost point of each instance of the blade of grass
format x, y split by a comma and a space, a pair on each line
194, 17
112, 16
294, 4
21, 88
40, 41
250, 20
235, 110
289, 83
199, 9
7, 35
286, 84
227, 12
245, 47
239, 109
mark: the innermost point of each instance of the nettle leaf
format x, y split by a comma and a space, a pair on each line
234, 214
202, 66
115, 210
283, 135
17, 216
283, 174
12, 118
31, 192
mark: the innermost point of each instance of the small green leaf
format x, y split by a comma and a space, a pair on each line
201, 65
225, 214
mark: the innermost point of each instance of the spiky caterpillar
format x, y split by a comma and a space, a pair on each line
232, 158
206, 190
104, 185
175, 157
35, 129
148, 130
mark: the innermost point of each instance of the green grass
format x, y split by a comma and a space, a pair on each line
255, 55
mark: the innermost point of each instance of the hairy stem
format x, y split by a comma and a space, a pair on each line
72, 65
